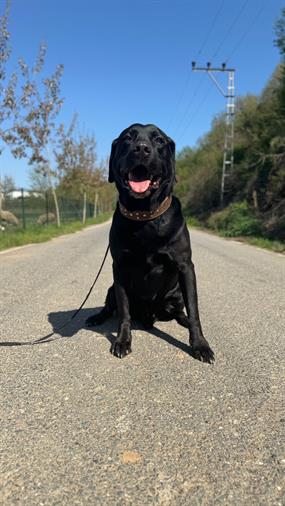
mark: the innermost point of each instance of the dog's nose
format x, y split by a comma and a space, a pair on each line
142, 148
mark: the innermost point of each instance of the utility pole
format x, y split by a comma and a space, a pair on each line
229, 94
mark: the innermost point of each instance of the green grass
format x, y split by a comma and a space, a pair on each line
261, 242
193, 222
41, 233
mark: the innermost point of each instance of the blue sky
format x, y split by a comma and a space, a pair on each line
129, 61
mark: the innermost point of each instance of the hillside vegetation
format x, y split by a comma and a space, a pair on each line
254, 202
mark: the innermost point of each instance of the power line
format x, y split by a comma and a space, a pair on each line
237, 17
248, 29
211, 28
182, 94
196, 110
190, 102
217, 50
231, 27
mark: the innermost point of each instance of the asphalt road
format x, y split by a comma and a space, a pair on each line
81, 427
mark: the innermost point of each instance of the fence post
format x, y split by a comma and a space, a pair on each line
95, 205
23, 208
1, 196
84, 208
47, 219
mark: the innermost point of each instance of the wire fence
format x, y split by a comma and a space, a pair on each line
24, 208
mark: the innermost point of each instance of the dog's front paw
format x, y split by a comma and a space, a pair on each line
121, 348
202, 351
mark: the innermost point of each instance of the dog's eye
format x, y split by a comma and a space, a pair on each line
127, 137
159, 140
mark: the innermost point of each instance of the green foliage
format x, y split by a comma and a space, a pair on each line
277, 246
193, 222
258, 178
280, 34
199, 173
236, 220
38, 233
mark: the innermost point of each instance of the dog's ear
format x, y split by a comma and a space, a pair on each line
171, 144
111, 161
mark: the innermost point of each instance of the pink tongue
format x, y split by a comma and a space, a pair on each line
139, 186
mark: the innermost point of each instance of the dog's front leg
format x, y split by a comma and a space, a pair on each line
199, 344
123, 342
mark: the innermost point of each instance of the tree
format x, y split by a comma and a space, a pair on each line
38, 178
76, 161
258, 179
7, 86
8, 184
34, 130
256, 188
279, 30
8, 101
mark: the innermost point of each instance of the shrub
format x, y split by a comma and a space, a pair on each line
193, 222
237, 219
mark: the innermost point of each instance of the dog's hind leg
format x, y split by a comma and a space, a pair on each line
172, 309
106, 312
182, 319
179, 316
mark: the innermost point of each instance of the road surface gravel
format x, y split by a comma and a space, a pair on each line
80, 426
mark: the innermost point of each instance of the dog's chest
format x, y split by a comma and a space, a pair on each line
149, 270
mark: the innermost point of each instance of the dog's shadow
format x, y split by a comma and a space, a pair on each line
108, 329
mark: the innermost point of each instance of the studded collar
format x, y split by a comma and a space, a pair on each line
146, 215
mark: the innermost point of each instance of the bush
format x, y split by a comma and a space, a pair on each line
236, 220
193, 222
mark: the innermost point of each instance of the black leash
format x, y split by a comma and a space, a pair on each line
46, 339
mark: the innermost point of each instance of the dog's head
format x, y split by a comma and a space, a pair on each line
142, 163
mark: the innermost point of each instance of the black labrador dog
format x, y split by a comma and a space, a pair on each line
154, 277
